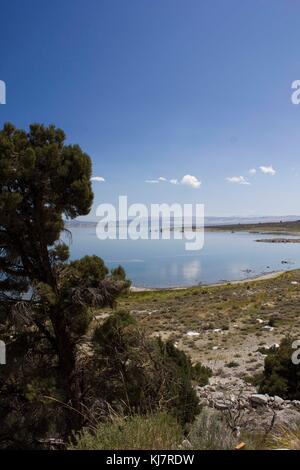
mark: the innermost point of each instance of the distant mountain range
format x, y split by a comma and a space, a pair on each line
211, 220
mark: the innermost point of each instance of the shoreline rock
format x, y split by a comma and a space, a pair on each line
257, 412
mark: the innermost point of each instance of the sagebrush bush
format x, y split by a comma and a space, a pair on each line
210, 432
153, 432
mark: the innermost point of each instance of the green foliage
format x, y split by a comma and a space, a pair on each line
119, 273
280, 376
42, 182
29, 375
201, 374
232, 364
159, 431
60, 253
89, 270
115, 332
177, 368
142, 373
39, 387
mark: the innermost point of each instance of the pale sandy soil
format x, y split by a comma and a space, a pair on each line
223, 323
260, 277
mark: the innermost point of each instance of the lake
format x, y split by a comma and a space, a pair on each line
165, 263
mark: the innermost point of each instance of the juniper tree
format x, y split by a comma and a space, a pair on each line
43, 181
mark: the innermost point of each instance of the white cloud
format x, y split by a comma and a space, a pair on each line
267, 170
187, 180
252, 171
98, 178
190, 180
237, 180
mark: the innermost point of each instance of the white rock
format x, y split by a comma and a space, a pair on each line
204, 402
259, 399
278, 400
192, 333
268, 328
186, 444
102, 316
287, 418
221, 406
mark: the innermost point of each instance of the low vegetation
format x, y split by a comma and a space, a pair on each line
261, 227
159, 431
138, 374
210, 432
281, 376
285, 438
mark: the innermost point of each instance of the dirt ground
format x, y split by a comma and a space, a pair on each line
223, 326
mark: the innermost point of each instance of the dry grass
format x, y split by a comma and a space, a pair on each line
233, 308
285, 439
155, 432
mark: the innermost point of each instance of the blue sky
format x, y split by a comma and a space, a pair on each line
167, 88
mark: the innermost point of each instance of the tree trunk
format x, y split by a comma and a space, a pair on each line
67, 369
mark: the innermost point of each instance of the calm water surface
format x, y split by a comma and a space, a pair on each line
166, 263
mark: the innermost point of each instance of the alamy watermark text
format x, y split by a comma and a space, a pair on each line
2, 92
162, 221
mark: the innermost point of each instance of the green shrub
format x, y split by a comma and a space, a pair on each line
178, 373
280, 376
140, 374
201, 374
232, 364
159, 431
119, 273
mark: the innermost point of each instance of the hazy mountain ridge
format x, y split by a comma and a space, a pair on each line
209, 220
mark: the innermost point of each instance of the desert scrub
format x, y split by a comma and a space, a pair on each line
153, 432
210, 432
201, 374
253, 440
232, 364
280, 376
142, 374
285, 439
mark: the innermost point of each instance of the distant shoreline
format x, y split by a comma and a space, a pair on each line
267, 228
278, 240
259, 277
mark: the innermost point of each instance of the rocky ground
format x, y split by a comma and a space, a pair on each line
228, 328
247, 410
